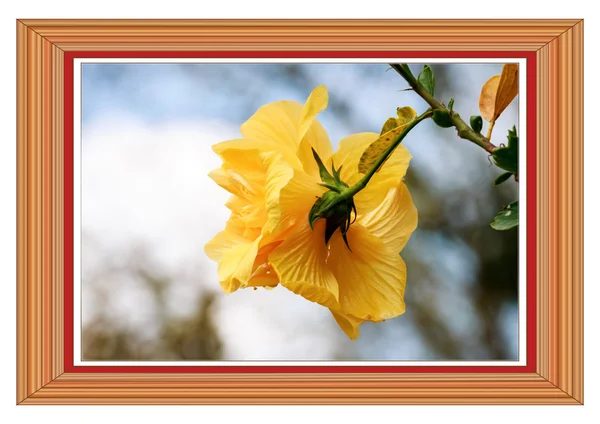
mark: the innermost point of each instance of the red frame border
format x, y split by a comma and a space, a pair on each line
68, 217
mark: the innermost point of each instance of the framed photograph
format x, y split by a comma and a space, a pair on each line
300, 212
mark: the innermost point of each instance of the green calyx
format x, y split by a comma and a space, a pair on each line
333, 206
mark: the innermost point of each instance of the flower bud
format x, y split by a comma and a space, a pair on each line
442, 118
476, 123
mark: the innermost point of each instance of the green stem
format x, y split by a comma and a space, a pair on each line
351, 191
464, 130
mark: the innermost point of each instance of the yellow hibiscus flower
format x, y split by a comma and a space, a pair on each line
275, 180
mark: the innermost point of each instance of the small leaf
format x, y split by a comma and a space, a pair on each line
427, 80
507, 157
389, 125
502, 178
405, 116
507, 218
442, 118
376, 148
498, 92
476, 123
451, 104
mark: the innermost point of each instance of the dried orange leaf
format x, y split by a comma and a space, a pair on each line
509, 87
487, 98
391, 129
498, 92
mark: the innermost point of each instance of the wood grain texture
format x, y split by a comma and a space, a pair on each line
297, 35
41, 45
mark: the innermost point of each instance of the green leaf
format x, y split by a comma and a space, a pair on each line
507, 218
502, 178
451, 104
507, 157
427, 80
442, 118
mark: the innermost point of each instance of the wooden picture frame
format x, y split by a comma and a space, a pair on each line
555, 369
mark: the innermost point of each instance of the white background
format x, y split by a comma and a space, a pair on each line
300, 9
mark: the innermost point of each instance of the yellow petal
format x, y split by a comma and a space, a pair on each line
244, 160
347, 323
236, 204
391, 173
247, 201
312, 135
316, 102
301, 263
394, 220
276, 122
236, 183
263, 274
242, 153
278, 174
292, 128
371, 278
236, 265
295, 201
316, 138
287, 123
243, 144
225, 240
262, 279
